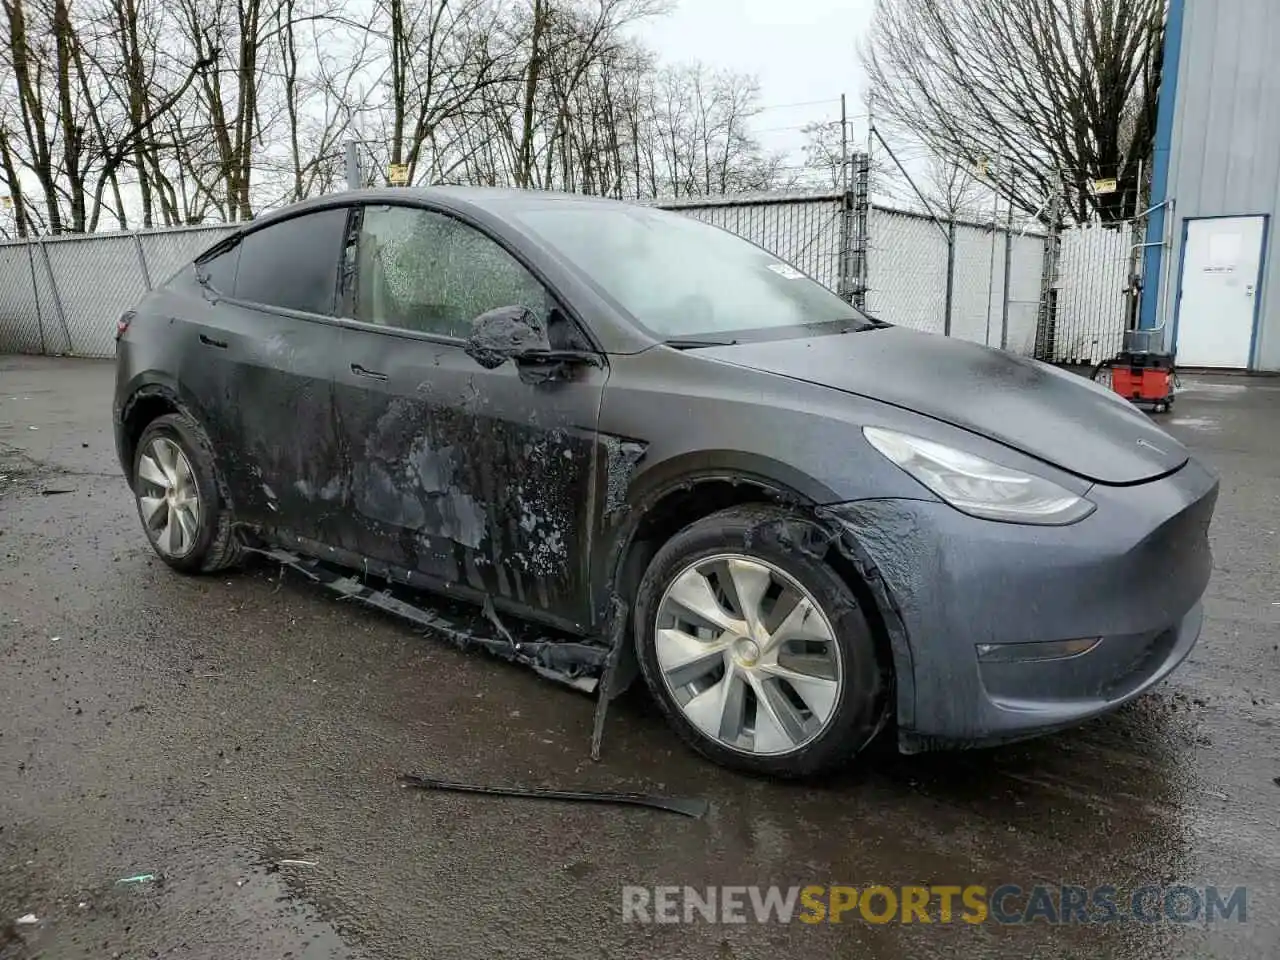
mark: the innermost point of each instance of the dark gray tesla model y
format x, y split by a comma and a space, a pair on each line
815, 521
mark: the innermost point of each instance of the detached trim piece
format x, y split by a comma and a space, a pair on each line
697, 809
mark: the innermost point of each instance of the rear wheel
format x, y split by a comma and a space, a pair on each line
758, 654
180, 501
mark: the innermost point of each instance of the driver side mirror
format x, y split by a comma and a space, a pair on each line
507, 333
516, 333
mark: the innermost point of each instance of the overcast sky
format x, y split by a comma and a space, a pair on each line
802, 50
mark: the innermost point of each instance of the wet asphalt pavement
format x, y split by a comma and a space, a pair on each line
202, 730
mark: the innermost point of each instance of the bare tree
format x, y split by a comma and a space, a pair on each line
703, 129
87, 94
952, 188
233, 39
1054, 87
180, 111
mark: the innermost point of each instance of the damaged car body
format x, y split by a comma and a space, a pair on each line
677, 456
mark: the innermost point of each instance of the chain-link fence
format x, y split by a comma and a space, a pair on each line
63, 295
802, 229
908, 271
1096, 266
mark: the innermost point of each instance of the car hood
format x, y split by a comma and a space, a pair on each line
1042, 411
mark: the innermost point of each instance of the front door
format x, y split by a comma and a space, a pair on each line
1220, 291
471, 478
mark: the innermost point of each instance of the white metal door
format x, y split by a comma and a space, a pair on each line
1220, 291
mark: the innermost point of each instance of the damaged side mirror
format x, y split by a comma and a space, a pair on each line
516, 333
507, 333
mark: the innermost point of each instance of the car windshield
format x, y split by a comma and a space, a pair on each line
680, 278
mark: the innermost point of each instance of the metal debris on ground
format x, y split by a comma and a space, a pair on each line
612, 681
139, 878
694, 808
27, 919
298, 863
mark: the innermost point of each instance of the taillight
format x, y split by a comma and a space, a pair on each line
122, 325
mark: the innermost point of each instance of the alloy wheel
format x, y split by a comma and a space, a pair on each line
748, 655
168, 497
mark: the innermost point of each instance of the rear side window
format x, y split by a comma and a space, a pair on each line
293, 264
219, 273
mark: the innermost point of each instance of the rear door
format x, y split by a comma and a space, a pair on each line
470, 477
261, 368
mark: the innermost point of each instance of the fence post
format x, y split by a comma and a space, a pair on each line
1008, 281
1046, 321
35, 295
861, 229
845, 271
951, 276
57, 300
142, 259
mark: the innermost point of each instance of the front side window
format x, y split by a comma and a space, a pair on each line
293, 264
424, 271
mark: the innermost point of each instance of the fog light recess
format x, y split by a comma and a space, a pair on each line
1035, 652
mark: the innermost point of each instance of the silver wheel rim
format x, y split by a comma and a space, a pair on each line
168, 497
748, 655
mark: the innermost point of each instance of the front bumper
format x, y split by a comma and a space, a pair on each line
1133, 574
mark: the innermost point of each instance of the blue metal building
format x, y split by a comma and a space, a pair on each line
1212, 266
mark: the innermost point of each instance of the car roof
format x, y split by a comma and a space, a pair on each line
496, 201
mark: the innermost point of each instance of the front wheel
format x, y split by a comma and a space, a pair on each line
757, 653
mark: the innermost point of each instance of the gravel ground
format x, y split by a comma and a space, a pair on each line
203, 730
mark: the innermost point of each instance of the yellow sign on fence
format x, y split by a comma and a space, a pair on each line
398, 174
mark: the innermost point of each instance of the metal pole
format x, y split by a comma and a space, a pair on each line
864, 207
57, 299
951, 276
844, 281
142, 259
1134, 291
844, 146
991, 270
35, 294
1008, 279
1046, 322
353, 165
903, 170
862, 229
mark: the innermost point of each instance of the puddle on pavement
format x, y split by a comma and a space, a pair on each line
1196, 423
230, 908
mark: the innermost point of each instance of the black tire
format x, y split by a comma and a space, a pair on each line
766, 533
217, 546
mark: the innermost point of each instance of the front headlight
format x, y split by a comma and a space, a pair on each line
979, 487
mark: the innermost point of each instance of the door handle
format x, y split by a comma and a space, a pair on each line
210, 342
360, 371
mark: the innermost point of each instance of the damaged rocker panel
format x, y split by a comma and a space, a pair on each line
579, 664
